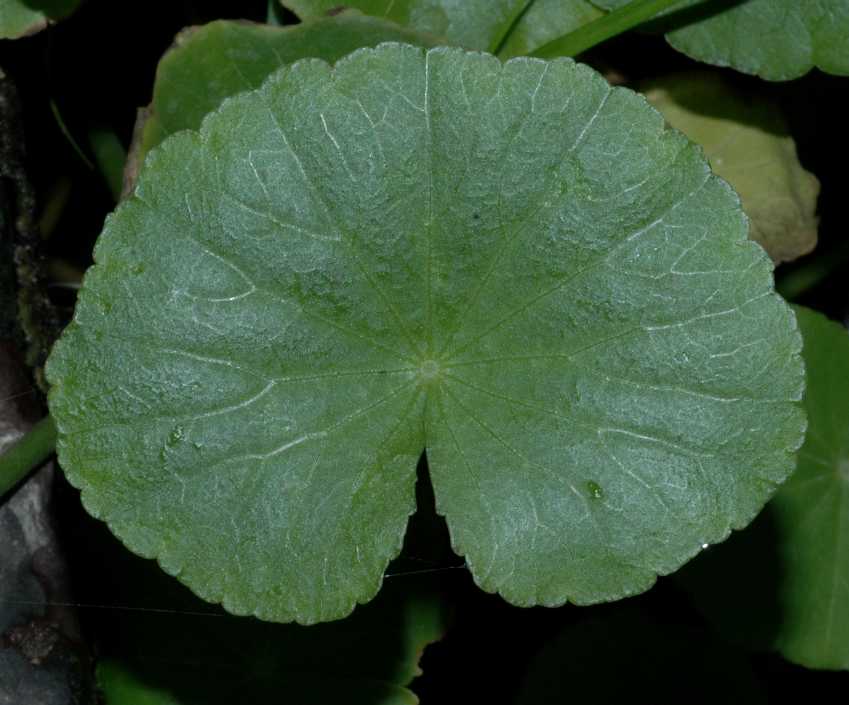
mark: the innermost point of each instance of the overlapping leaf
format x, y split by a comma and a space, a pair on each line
210, 63
775, 39
513, 266
748, 143
506, 27
19, 18
791, 590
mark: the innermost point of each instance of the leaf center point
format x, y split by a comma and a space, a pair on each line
429, 370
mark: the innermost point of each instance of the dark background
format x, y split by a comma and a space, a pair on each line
97, 68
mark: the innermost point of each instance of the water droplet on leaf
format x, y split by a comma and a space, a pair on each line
177, 434
595, 490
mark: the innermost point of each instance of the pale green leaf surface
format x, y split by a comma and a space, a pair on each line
794, 561
747, 142
774, 39
212, 62
511, 27
513, 266
19, 18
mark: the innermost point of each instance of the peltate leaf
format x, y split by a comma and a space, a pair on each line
506, 27
794, 561
774, 39
215, 61
19, 18
747, 142
513, 266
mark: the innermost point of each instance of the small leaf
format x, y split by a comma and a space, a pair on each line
513, 266
19, 18
746, 142
215, 61
774, 39
791, 568
626, 657
120, 686
510, 27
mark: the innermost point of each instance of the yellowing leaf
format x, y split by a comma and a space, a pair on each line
746, 142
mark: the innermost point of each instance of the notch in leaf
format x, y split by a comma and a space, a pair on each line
511, 266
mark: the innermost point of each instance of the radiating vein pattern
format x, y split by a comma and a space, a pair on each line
511, 266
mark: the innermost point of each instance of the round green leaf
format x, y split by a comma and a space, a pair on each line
774, 39
794, 561
506, 27
513, 266
19, 18
747, 142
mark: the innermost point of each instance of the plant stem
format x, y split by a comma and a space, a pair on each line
63, 128
272, 15
597, 31
27, 454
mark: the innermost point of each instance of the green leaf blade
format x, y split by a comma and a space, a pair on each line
211, 343
782, 39
512, 266
229, 57
507, 28
475, 24
775, 39
20, 18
